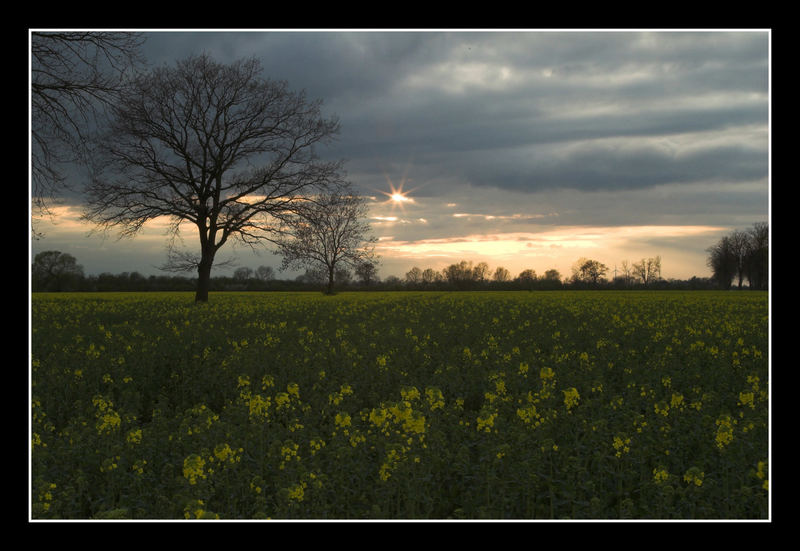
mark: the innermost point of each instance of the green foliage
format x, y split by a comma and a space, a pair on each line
400, 405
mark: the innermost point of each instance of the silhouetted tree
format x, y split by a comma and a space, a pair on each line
243, 274
213, 145
431, 276
459, 275
328, 232
648, 270
740, 255
757, 260
55, 271
588, 271
414, 276
501, 275
552, 275
526, 278
480, 272
75, 75
265, 273
722, 262
367, 272
739, 243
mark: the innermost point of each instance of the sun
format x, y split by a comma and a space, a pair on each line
398, 197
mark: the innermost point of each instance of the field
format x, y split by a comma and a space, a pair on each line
429, 405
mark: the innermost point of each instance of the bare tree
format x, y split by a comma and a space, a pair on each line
265, 273
648, 270
74, 77
54, 271
526, 278
212, 145
459, 275
758, 256
739, 242
588, 271
722, 262
328, 232
626, 270
552, 275
414, 276
367, 272
243, 274
502, 275
480, 272
429, 276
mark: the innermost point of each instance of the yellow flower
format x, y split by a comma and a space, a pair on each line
724, 431
194, 468
660, 475
342, 420
747, 399
571, 398
297, 492
486, 421
134, 436
621, 445
409, 394
435, 398
138, 466
694, 476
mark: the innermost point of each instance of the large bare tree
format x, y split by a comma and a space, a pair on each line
215, 146
75, 75
328, 233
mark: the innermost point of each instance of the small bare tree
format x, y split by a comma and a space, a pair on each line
648, 270
329, 232
212, 145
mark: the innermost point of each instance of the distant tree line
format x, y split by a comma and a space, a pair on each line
740, 255
54, 271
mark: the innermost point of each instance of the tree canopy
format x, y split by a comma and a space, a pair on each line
212, 145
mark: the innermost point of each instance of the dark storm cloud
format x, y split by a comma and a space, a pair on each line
524, 111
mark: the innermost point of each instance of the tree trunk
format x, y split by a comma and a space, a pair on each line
330, 281
203, 279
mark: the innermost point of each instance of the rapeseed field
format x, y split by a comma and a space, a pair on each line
429, 405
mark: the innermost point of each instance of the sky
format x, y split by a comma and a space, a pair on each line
524, 149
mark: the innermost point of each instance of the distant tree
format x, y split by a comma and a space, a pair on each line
480, 272
552, 275
626, 270
739, 242
243, 274
414, 276
55, 271
648, 270
757, 260
75, 75
343, 276
313, 276
459, 275
527, 276
501, 275
328, 232
431, 276
588, 271
265, 273
740, 255
392, 282
722, 262
212, 145
366, 272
